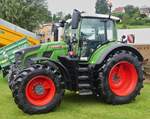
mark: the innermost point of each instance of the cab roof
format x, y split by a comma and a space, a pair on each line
104, 16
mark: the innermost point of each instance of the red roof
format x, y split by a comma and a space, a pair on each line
119, 10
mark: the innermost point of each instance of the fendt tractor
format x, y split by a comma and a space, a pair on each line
90, 61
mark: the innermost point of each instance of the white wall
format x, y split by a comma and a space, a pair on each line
142, 36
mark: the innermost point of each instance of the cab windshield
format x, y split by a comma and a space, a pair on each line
98, 29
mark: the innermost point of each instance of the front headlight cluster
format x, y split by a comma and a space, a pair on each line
19, 56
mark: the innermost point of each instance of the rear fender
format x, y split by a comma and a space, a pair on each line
106, 51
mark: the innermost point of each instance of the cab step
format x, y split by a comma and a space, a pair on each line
86, 86
84, 92
83, 69
83, 78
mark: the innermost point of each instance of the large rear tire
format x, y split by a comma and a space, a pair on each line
38, 89
120, 78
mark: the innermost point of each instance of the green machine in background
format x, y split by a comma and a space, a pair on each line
7, 54
90, 61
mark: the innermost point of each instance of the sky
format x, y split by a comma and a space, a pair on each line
67, 6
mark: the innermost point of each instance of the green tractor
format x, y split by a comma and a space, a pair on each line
90, 61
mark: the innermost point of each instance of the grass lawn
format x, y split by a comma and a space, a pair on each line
77, 107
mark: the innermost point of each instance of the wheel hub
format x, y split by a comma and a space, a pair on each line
39, 90
116, 78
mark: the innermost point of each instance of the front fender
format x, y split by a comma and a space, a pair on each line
51, 50
62, 68
104, 51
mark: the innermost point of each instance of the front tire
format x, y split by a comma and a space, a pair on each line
38, 89
11, 76
5, 71
120, 78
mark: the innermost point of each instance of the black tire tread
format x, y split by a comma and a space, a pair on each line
19, 80
104, 92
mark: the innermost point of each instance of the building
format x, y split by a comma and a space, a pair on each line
45, 32
119, 10
145, 11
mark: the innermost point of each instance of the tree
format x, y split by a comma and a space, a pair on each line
125, 21
120, 15
60, 14
101, 7
68, 16
55, 18
25, 13
132, 11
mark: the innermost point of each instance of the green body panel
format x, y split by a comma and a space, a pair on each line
99, 52
56, 48
61, 49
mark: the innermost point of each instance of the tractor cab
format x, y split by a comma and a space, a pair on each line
88, 32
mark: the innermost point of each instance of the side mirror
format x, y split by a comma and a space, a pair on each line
131, 38
55, 34
75, 19
128, 38
62, 23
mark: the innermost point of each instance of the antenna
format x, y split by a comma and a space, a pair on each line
109, 2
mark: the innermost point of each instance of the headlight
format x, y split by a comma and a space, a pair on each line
19, 54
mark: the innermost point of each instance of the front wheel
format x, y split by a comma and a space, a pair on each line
120, 78
11, 75
38, 89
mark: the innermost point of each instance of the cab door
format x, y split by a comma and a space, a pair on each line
92, 34
71, 37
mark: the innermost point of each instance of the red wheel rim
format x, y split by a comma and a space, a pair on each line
123, 78
40, 90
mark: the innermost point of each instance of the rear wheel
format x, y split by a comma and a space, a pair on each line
38, 89
120, 78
